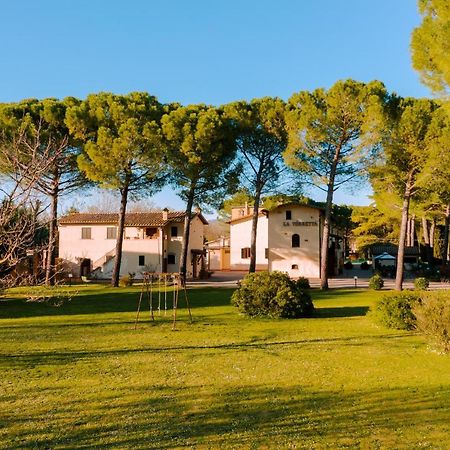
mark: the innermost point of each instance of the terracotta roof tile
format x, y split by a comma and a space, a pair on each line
147, 219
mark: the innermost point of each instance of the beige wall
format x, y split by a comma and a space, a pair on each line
219, 258
240, 233
281, 254
72, 249
275, 233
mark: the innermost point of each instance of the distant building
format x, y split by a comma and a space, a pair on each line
152, 242
289, 239
379, 258
218, 254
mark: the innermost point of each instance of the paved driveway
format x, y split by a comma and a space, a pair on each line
230, 279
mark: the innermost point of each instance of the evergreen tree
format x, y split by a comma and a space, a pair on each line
200, 150
333, 136
261, 140
122, 148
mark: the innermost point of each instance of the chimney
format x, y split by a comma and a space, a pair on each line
246, 209
198, 210
165, 214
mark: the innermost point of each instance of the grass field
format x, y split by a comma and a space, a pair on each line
80, 376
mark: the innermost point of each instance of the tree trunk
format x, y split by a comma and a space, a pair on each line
402, 240
326, 238
426, 238
412, 228
446, 236
408, 234
120, 231
186, 231
432, 234
52, 232
252, 267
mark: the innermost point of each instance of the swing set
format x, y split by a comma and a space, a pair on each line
158, 301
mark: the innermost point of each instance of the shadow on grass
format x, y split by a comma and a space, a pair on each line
106, 300
257, 416
68, 357
344, 311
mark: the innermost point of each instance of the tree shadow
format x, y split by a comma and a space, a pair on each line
112, 301
343, 311
266, 416
61, 357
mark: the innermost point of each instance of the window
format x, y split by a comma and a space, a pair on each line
266, 253
174, 231
151, 233
142, 260
86, 233
111, 233
171, 258
288, 215
295, 240
245, 252
294, 267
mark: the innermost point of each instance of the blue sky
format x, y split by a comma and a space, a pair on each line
204, 51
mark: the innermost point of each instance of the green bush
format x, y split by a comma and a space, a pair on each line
421, 284
303, 283
127, 280
433, 318
365, 265
396, 310
272, 294
376, 282
348, 265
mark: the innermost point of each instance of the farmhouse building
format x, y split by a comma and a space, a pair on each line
152, 242
289, 239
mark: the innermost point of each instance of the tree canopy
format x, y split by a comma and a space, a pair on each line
261, 140
122, 148
430, 45
201, 147
34, 134
333, 135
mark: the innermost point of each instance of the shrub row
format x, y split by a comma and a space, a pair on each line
427, 312
273, 294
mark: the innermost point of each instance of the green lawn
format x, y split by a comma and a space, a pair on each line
81, 376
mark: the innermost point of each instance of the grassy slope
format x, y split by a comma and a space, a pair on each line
80, 376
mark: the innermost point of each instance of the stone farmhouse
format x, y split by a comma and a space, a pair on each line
288, 240
152, 242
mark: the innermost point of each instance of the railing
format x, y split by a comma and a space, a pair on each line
104, 259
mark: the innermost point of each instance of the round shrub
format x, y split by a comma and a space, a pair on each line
365, 265
348, 265
421, 284
396, 311
127, 280
376, 282
303, 283
272, 294
433, 318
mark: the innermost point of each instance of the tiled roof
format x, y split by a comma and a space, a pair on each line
264, 212
144, 219
247, 217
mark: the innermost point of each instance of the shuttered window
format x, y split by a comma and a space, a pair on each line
111, 233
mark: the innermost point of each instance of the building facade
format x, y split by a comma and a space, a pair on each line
218, 254
152, 243
289, 239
